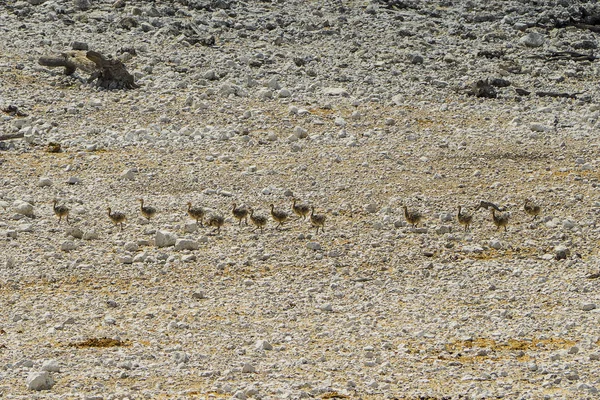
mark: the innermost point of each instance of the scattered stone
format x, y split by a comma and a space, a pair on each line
75, 232
313, 245
164, 239
588, 306
331, 91
263, 345
90, 235
248, 368
186, 244
533, 39
128, 174
23, 208
51, 366
44, 182
39, 381
199, 295
68, 245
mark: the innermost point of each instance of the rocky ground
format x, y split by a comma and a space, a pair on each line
355, 107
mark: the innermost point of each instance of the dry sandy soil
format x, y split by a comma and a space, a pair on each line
371, 308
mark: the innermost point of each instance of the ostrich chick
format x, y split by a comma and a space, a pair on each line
61, 211
116, 217
412, 217
464, 219
317, 220
279, 216
196, 213
500, 220
240, 213
260, 221
146, 211
301, 210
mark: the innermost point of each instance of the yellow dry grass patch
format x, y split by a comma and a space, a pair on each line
100, 342
510, 344
333, 395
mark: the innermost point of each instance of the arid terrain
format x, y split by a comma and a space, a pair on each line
357, 108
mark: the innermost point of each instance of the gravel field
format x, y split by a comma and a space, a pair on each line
357, 108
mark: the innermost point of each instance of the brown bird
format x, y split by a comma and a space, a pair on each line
412, 217
61, 211
240, 213
196, 213
216, 221
301, 210
464, 219
532, 209
317, 220
116, 217
260, 221
146, 211
279, 216
500, 220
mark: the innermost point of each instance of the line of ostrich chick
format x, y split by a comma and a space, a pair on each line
242, 213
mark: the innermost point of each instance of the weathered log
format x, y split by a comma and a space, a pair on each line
483, 88
108, 73
487, 205
14, 111
555, 94
111, 74
11, 136
71, 60
570, 55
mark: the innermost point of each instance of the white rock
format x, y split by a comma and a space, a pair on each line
90, 235
330, 91
23, 208
313, 245
131, 246
180, 357
73, 180
186, 244
51, 366
539, 127
128, 174
588, 307
568, 224
300, 132
164, 239
495, 244
39, 381
74, 231
43, 182
68, 245
125, 259
274, 84
263, 345
284, 93
326, 307
190, 227
533, 39
265, 94
371, 208
339, 121
248, 368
